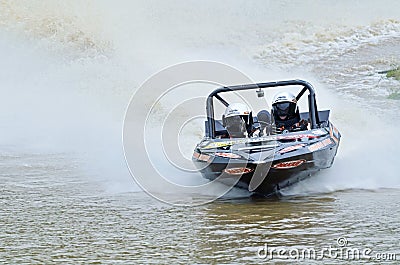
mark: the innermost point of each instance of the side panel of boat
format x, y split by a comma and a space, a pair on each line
281, 178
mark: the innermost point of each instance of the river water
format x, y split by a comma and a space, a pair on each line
69, 70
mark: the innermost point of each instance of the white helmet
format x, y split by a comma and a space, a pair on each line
237, 118
237, 109
284, 97
284, 105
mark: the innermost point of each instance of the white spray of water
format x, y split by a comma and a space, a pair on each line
368, 153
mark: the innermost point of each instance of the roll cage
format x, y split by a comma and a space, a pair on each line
312, 104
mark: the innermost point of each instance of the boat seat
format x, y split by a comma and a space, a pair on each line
264, 121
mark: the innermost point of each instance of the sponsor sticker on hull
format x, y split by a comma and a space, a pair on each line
223, 144
291, 148
238, 170
320, 132
334, 133
227, 155
296, 136
320, 145
289, 164
201, 157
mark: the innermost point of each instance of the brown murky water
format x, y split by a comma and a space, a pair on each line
50, 215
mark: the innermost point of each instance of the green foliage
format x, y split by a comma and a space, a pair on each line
394, 95
395, 73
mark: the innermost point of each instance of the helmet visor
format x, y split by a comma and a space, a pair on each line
283, 106
235, 120
282, 109
236, 125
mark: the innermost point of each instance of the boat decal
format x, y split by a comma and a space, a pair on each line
227, 155
204, 157
201, 157
297, 136
211, 145
238, 170
261, 139
319, 132
224, 143
291, 148
267, 146
334, 133
320, 145
289, 164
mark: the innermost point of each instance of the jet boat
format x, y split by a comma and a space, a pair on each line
266, 163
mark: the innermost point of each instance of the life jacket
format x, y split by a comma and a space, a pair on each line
282, 125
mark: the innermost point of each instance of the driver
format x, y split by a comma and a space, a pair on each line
286, 113
238, 120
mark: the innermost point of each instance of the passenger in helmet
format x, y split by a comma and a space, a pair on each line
286, 113
238, 120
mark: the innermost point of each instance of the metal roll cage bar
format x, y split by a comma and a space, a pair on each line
312, 104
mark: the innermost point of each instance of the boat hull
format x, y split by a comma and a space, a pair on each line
273, 174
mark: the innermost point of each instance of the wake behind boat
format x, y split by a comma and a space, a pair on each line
259, 153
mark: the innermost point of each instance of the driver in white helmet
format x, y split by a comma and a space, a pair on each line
238, 120
286, 113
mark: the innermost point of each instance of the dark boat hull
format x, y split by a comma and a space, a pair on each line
273, 178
